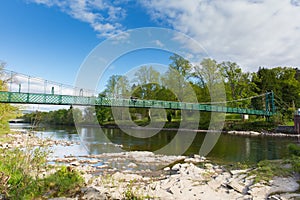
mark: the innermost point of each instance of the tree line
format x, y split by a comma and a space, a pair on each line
182, 79
204, 80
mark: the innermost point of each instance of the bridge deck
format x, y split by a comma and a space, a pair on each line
52, 99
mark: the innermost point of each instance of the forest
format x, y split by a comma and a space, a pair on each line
184, 81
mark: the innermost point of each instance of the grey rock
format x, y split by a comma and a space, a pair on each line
132, 165
237, 186
167, 169
274, 197
92, 193
176, 167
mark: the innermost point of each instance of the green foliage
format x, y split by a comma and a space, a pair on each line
284, 83
117, 87
240, 165
20, 176
257, 125
238, 84
207, 81
267, 169
7, 111
294, 149
130, 193
102, 113
58, 117
22, 168
295, 161
294, 152
64, 181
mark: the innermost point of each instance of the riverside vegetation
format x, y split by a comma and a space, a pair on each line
150, 84
21, 170
26, 174
21, 175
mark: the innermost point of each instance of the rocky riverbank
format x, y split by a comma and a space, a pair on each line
150, 176
255, 133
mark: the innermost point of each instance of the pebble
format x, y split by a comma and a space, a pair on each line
132, 165
92, 161
167, 169
176, 167
102, 166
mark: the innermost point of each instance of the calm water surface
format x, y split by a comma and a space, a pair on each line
228, 149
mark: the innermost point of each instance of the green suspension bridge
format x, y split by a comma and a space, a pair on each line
22, 89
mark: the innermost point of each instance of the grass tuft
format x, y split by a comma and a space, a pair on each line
20, 176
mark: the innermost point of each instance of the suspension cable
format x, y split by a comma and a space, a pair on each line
282, 101
236, 100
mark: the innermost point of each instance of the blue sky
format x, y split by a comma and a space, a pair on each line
46, 42
52, 38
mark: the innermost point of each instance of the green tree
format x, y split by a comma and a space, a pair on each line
283, 82
7, 111
103, 113
148, 83
117, 87
181, 65
238, 84
210, 83
210, 79
176, 78
89, 115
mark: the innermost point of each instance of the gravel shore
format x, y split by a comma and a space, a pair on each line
150, 176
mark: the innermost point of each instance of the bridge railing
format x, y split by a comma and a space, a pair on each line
17, 82
27, 89
35, 98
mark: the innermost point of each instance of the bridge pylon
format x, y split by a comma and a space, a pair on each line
270, 104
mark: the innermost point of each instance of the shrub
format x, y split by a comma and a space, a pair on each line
63, 182
294, 149
267, 169
20, 176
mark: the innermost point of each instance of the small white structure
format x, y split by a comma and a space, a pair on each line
245, 117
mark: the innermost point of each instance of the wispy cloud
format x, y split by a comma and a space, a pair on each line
158, 43
250, 32
102, 15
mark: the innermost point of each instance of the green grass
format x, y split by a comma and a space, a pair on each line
20, 176
289, 123
267, 169
233, 117
4, 139
259, 125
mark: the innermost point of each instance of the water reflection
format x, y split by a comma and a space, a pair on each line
228, 149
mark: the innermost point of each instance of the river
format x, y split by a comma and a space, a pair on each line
228, 149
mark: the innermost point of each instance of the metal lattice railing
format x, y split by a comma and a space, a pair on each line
23, 89
35, 98
21, 83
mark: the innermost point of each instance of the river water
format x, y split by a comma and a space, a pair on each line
228, 149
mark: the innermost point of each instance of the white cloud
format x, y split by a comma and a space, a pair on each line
251, 32
102, 15
158, 43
